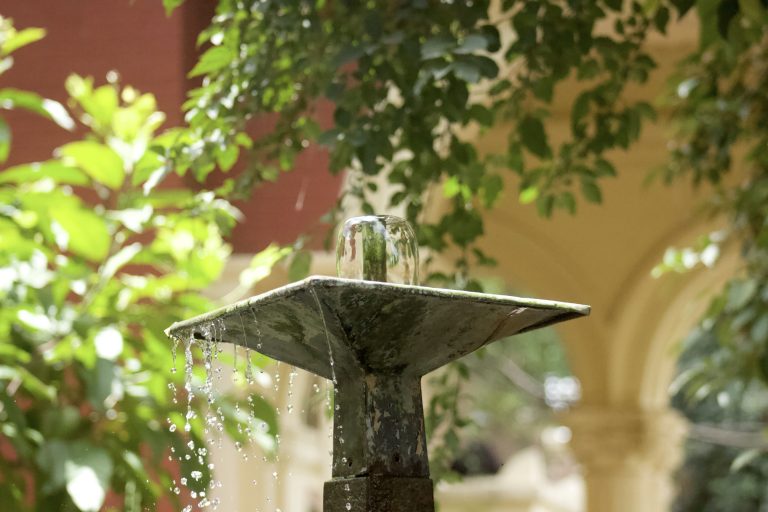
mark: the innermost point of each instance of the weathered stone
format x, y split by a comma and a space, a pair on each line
375, 341
378, 494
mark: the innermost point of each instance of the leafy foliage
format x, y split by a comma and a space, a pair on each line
408, 82
729, 475
720, 106
96, 260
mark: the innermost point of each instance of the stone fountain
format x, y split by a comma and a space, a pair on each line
375, 340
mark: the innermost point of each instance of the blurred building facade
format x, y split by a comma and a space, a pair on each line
624, 434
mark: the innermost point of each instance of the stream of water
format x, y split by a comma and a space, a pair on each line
202, 348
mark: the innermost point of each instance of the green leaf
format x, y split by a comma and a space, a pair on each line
52, 169
87, 233
646, 110
464, 226
100, 162
262, 263
579, 111
740, 293
102, 104
30, 382
493, 185
683, 6
213, 59
436, 46
120, 259
708, 22
227, 158
14, 354
746, 457
604, 168
515, 158
533, 136
58, 114
471, 44
171, 5
483, 115
529, 195
467, 71
50, 459
53, 110
591, 191
759, 331
544, 88
300, 264
661, 19
22, 38
451, 188
726, 12
487, 66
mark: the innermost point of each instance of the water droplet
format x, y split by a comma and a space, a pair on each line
188, 361
325, 329
173, 354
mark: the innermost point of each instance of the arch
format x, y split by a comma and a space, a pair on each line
653, 317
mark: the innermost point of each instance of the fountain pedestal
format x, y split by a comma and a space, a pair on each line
375, 341
378, 494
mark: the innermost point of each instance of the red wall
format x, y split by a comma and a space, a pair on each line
153, 53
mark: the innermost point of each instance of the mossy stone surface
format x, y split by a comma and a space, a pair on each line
375, 341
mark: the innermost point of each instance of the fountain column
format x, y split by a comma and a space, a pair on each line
386, 469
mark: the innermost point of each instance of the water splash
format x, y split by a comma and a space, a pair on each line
188, 364
202, 372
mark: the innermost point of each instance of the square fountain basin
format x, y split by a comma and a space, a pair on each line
382, 327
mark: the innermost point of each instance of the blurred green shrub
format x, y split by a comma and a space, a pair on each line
98, 255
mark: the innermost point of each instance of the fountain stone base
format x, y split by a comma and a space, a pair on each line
375, 341
378, 494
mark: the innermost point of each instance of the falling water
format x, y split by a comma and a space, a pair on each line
327, 335
204, 341
336, 406
291, 378
188, 362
